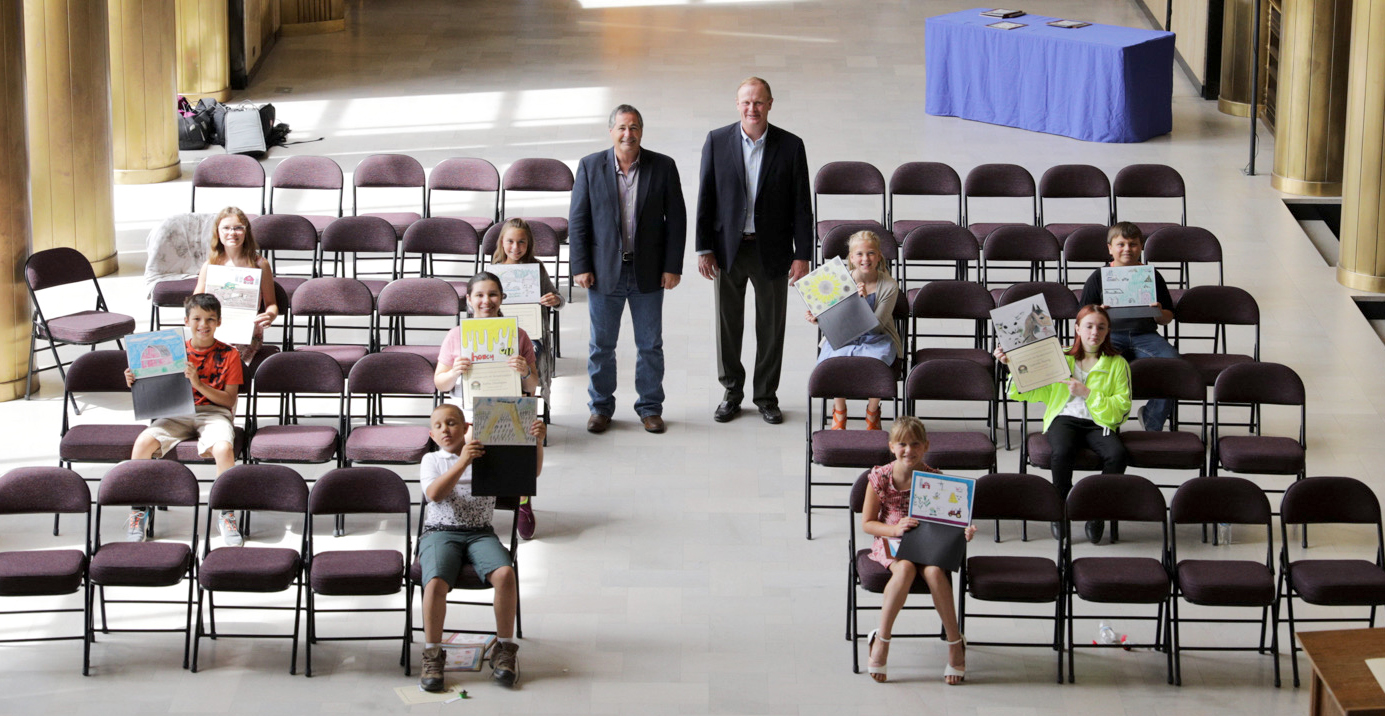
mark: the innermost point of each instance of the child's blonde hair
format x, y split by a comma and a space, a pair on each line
908, 426
869, 237
517, 224
449, 408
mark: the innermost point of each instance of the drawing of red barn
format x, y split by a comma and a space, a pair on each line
155, 356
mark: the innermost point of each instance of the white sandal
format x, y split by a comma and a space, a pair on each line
871, 668
951, 670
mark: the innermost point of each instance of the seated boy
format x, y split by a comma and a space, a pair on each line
214, 369
1136, 337
457, 530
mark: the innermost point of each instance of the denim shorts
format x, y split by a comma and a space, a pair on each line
443, 553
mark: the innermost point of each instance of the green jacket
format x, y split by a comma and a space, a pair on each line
1109, 401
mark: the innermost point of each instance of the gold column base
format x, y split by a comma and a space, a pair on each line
1305, 188
1233, 108
148, 176
14, 389
1360, 281
223, 96
106, 266
299, 29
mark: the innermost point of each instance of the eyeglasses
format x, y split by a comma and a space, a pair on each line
235, 229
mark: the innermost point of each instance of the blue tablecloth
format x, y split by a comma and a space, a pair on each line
1101, 83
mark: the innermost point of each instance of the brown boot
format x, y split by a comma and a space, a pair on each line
505, 664
433, 661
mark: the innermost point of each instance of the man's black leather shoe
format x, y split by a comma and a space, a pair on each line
771, 414
726, 411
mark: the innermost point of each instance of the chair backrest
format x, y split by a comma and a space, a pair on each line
1061, 303
1183, 244
98, 372
1224, 305
1129, 498
545, 239
925, 179
275, 488
852, 377
1014, 496
333, 296
228, 171
1074, 181
464, 174
953, 299
857, 501
284, 232
307, 172
1152, 181
1224, 498
858, 178
1259, 383
393, 373
538, 174
949, 379
440, 235
388, 170
1021, 243
418, 297
299, 372
1316, 500
359, 233
1087, 244
162, 483
1169, 378
38, 490
359, 490
837, 242
999, 180
57, 267
940, 242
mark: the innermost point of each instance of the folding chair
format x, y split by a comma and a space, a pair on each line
962, 301
228, 171
252, 570
352, 236
922, 179
278, 233
469, 580
64, 266
998, 181
466, 174
1150, 181
850, 179
944, 244
1174, 449
1223, 582
307, 173
1074, 181
1256, 385
394, 375
852, 378
1219, 307
414, 297
1017, 243
539, 175
323, 298
46, 572
955, 380
446, 240
1182, 246
1085, 245
390, 171
170, 293
285, 377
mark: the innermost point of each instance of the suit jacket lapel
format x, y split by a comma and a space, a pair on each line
735, 157
641, 190
608, 171
771, 148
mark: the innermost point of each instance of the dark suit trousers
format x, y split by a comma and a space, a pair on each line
771, 301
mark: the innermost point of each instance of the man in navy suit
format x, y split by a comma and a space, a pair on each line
755, 224
627, 228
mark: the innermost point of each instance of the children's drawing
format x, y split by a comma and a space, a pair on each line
826, 286
156, 353
941, 498
520, 282
489, 339
234, 287
1127, 285
1023, 322
504, 421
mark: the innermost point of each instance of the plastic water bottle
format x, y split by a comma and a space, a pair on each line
1223, 533
1106, 635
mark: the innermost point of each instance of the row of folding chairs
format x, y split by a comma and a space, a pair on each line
1161, 579
190, 557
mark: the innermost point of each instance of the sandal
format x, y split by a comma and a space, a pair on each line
838, 419
951, 670
872, 419
876, 672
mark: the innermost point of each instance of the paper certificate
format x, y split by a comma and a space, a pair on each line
1038, 364
521, 283
504, 421
826, 286
1127, 286
487, 380
466, 652
238, 290
528, 316
489, 340
157, 353
941, 498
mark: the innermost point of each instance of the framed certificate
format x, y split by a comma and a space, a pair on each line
529, 316
1007, 25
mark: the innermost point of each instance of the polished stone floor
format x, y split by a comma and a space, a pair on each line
670, 573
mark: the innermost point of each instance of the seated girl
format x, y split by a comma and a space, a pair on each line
233, 244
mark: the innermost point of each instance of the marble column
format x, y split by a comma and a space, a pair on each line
15, 322
204, 51
1237, 58
1362, 260
1310, 117
144, 123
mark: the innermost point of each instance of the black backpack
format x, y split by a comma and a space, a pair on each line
194, 131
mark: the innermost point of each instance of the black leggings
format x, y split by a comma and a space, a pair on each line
1067, 435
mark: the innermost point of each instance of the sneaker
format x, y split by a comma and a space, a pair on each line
434, 659
505, 664
134, 527
526, 519
230, 531
1146, 424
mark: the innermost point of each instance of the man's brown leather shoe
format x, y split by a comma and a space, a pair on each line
653, 423
598, 423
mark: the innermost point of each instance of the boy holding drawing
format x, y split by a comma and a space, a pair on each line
457, 530
1136, 338
214, 370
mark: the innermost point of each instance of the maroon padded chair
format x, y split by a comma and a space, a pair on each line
964, 301
1085, 245
45, 572
468, 580
1149, 181
1013, 578
534, 174
1074, 181
252, 570
414, 297
852, 378
1218, 307
390, 171
353, 238
466, 174
375, 377
953, 380
149, 484
1257, 385
308, 173
944, 244
283, 378
922, 179
358, 573
327, 297
1241, 583
849, 179
442, 239
228, 171
998, 181
1174, 449
65, 266
1337, 582
169, 293
1117, 580
1017, 243
276, 233
1183, 246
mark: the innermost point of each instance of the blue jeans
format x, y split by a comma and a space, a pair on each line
1134, 346
647, 315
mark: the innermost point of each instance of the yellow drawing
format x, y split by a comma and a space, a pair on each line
489, 339
505, 421
952, 498
826, 286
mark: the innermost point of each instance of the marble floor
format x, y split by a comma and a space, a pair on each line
670, 573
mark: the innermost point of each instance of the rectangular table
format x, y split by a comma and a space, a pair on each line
1100, 83
1341, 683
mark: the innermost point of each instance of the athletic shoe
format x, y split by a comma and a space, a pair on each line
134, 527
230, 531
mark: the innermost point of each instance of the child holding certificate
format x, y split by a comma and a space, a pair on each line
886, 515
483, 298
881, 342
233, 244
1086, 409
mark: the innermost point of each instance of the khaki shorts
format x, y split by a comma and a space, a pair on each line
211, 425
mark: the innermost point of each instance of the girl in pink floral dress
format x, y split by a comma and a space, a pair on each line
885, 515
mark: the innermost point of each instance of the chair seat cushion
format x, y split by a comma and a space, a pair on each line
1262, 454
1131, 580
480, 223
345, 355
874, 576
1164, 450
295, 443
319, 221
960, 451
169, 294
289, 284
186, 451
41, 572
400, 220
1339, 582
387, 443
975, 355
1149, 227
468, 579
1061, 231
140, 564
1013, 579
1210, 365
1041, 455
89, 327
249, 569
429, 353
1226, 582
375, 286
981, 231
99, 443
851, 448
366, 571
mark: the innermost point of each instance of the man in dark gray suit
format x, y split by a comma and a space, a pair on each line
754, 224
627, 228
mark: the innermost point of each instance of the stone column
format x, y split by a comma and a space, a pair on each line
311, 17
204, 53
1362, 261
68, 97
1310, 119
145, 125
15, 323
1237, 59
